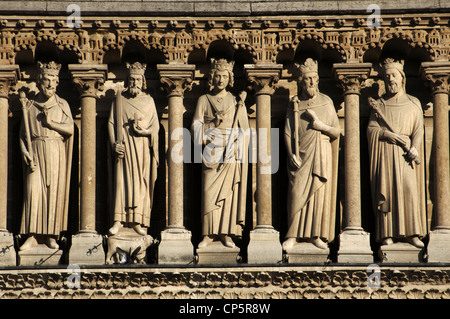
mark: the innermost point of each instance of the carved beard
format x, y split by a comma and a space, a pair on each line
135, 90
48, 92
393, 87
310, 91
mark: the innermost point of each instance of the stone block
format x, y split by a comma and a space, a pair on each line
87, 249
40, 255
7, 251
307, 253
354, 247
176, 247
438, 247
401, 253
218, 254
264, 247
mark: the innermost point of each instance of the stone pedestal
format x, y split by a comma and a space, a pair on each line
354, 247
306, 253
264, 246
39, 255
218, 254
176, 247
7, 251
87, 249
439, 246
127, 246
400, 253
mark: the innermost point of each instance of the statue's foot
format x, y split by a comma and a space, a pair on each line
387, 241
29, 243
115, 228
289, 243
415, 241
319, 243
138, 229
51, 243
205, 241
227, 241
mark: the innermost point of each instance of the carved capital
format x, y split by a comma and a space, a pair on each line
176, 78
351, 76
88, 78
436, 75
9, 74
263, 77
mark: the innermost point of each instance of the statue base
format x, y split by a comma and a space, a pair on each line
39, 255
127, 246
306, 253
175, 247
218, 254
7, 251
438, 246
354, 247
264, 246
87, 249
401, 253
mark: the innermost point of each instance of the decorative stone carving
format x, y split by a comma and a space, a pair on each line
46, 144
312, 136
395, 135
133, 134
219, 125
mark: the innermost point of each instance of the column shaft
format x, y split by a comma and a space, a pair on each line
442, 173
263, 175
88, 162
3, 161
352, 217
175, 218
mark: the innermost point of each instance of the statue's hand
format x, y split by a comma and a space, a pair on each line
28, 160
46, 121
412, 154
393, 138
311, 115
119, 149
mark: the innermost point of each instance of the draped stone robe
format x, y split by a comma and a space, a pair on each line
311, 200
224, 171
46, 191
398, 187
135, 174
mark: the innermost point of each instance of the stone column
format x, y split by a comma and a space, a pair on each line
176, 246
86, 246
436, 74
354, 242
9, 74
264, 245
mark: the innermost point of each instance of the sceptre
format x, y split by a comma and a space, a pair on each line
374, 105
23, 99
296, 112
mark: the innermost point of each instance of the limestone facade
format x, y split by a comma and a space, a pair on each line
264, 43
